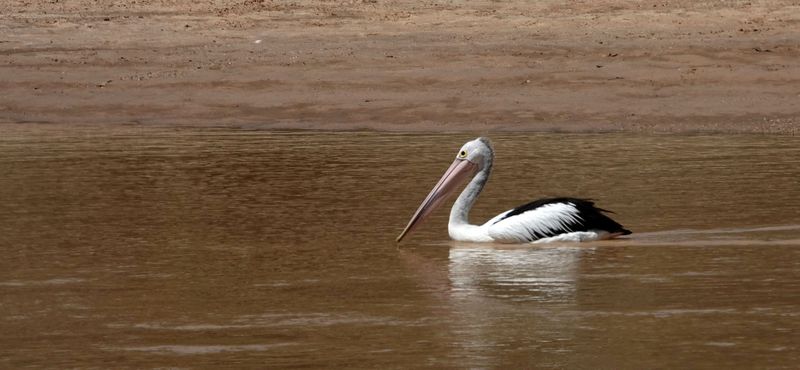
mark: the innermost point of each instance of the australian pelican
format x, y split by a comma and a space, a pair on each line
544, 220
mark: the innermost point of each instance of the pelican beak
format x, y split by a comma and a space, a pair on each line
460, 170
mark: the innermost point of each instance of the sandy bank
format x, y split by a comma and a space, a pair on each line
657, 66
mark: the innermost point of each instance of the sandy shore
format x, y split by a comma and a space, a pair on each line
653, 66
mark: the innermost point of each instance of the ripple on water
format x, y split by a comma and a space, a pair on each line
55, 281
186, 349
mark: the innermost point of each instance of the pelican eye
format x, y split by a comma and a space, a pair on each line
462, 154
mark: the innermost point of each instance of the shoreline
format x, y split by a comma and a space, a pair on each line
122, 127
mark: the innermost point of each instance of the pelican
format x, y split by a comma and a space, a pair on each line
543, 220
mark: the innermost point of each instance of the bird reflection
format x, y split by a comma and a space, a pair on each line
545, 274
501, 298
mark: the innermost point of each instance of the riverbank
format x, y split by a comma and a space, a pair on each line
652, 66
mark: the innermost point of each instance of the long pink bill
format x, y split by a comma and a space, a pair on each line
459, 171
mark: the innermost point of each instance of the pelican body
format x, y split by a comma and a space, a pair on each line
544, 220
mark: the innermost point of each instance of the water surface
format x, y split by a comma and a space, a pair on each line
133, 247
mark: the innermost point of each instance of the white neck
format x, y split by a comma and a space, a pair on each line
459, 227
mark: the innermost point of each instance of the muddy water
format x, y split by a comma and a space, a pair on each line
131, 248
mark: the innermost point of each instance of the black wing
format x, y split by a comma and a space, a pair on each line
591, 217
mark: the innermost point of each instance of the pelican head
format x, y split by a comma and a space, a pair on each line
473, 157
478, 152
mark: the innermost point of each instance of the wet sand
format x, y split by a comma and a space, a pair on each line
650, 66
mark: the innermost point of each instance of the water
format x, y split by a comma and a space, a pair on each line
133, 247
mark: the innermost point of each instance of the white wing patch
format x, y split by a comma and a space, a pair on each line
537, 223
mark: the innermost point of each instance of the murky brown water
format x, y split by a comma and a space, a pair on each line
152, 247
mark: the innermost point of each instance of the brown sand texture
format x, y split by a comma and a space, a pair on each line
582, 66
